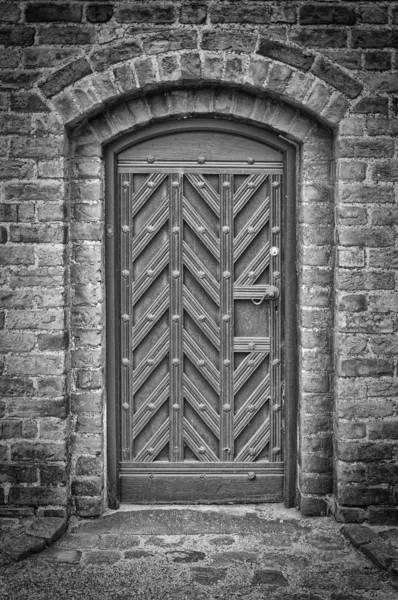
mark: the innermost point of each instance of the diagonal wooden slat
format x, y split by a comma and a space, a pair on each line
246, 368
197, 443
153, 269
249, 231
151, 317
152, 404
246, 191
201, 406
205, 190
199, 226
256, 443
151, 360
259, 263
251, 406
197, 268
201, 361
201, 317
157, 442
146, 190
157, 220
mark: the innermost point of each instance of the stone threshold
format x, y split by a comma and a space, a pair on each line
19, 538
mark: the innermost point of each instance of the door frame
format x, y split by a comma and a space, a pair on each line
289, 286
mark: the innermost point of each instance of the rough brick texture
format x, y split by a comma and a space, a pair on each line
75, 75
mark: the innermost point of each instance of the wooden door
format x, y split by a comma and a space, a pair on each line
201, 340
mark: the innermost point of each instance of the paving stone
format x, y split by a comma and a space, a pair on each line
159, 541
228, 558
4, 559
79, 541
380, 553
223, 540
186, 556
70, 557
120, 542
269, 577
98, 557
135, 554
363, 582
22, 545
48, 528
390, 536
207, 575
323, 542
358, 534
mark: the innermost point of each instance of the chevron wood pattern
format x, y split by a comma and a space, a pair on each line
200, 362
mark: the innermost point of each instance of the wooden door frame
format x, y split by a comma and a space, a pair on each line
289, 286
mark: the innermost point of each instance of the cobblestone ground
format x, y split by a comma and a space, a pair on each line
245, 553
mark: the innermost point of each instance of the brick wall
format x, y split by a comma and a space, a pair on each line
77, 74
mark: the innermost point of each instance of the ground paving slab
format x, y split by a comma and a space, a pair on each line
252, 552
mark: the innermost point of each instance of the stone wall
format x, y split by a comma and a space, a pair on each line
75, 76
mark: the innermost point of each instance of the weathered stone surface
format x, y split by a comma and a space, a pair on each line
47, 528
207, 575
22, 545
269, 577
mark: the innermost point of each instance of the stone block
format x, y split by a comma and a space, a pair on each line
312, 506
383, 430
380, 554
371, 38
359, 535
190, 66
371, 105
47, 528
354, 148
364, 452
378, 61
38, 496
228, 40
386, 171
20, 546
170, 41
99, 13
284, 53
104, 57
383, 515
17, 35
195, 14
319, 37
233, 13
326, 14
337, 78
50, 12
66, 36
146, 13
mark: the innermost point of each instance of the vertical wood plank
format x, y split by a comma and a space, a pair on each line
276, 453
126, 189
176, 318
226, 318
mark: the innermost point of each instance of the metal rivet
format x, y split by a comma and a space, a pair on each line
201, 229
151, 451
150, 228
176, 361
226, 184
176, 229
201, 317
151, 406
250, 161
150, 317
226, 274
176, 184
151, 184
275, 184
251, 362
226, 229
276, 274
227, 450
251, 230
176, 274
201, 363
276, 229
251, 184
226, 318
125, 406
274, 251
125, 361
126, 184
251, 475
150, 361
151, 159
227, 362
201, 274
276, 362
251, 408
201, 184
251, 274
276, 450
125, 317
150, 273
201, 160
176, 407
251, 345
227, 407
202, 407
276, 407
176, 317
125, 228
252, 451
202, 450
125, 273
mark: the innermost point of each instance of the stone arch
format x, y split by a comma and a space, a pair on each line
89, 131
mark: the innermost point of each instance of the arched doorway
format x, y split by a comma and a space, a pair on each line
201, 314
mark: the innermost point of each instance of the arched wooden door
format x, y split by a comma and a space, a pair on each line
198, 254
